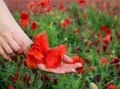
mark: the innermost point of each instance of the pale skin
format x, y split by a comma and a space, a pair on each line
14, 41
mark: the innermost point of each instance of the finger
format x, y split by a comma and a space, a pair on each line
14, 45
71, 67
20, 42
7, 48
75, 65
68, 68
52, 70
2, 53
67, 59
58, 70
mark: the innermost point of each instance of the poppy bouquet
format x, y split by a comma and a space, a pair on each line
40, 52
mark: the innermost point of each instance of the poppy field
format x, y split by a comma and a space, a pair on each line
91, 35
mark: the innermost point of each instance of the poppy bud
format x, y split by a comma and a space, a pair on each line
93, 86
37, 73
98, 49
33, 25
26, 77
119, 72
105, 47
55, 80
108, 52
87, 50
86, 60
118, 35
42, 77
47, 77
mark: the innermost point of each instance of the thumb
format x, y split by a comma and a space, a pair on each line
67, 59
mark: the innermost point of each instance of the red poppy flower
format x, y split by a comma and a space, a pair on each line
60, 7
107, 38
54, 14
98, 34
105, 5
107, 31
33, 25
35, 54
67, 21
102, 27
81, 2
54, 56
78, 59
24, 23
41, 53
84, 15
49, 8
43, 3
64, 23
111, 12
41, 41
91, 68
24, 18
10, 87
31, 5
111, 86
36, 10
103, 60
34, 57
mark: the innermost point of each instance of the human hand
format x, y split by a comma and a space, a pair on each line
10, 42
66, 67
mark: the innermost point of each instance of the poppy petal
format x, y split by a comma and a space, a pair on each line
54, 56
34, 56
41, 41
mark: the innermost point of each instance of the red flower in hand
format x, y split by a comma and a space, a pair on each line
41, 41
54, 56
34, 57
41, 53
